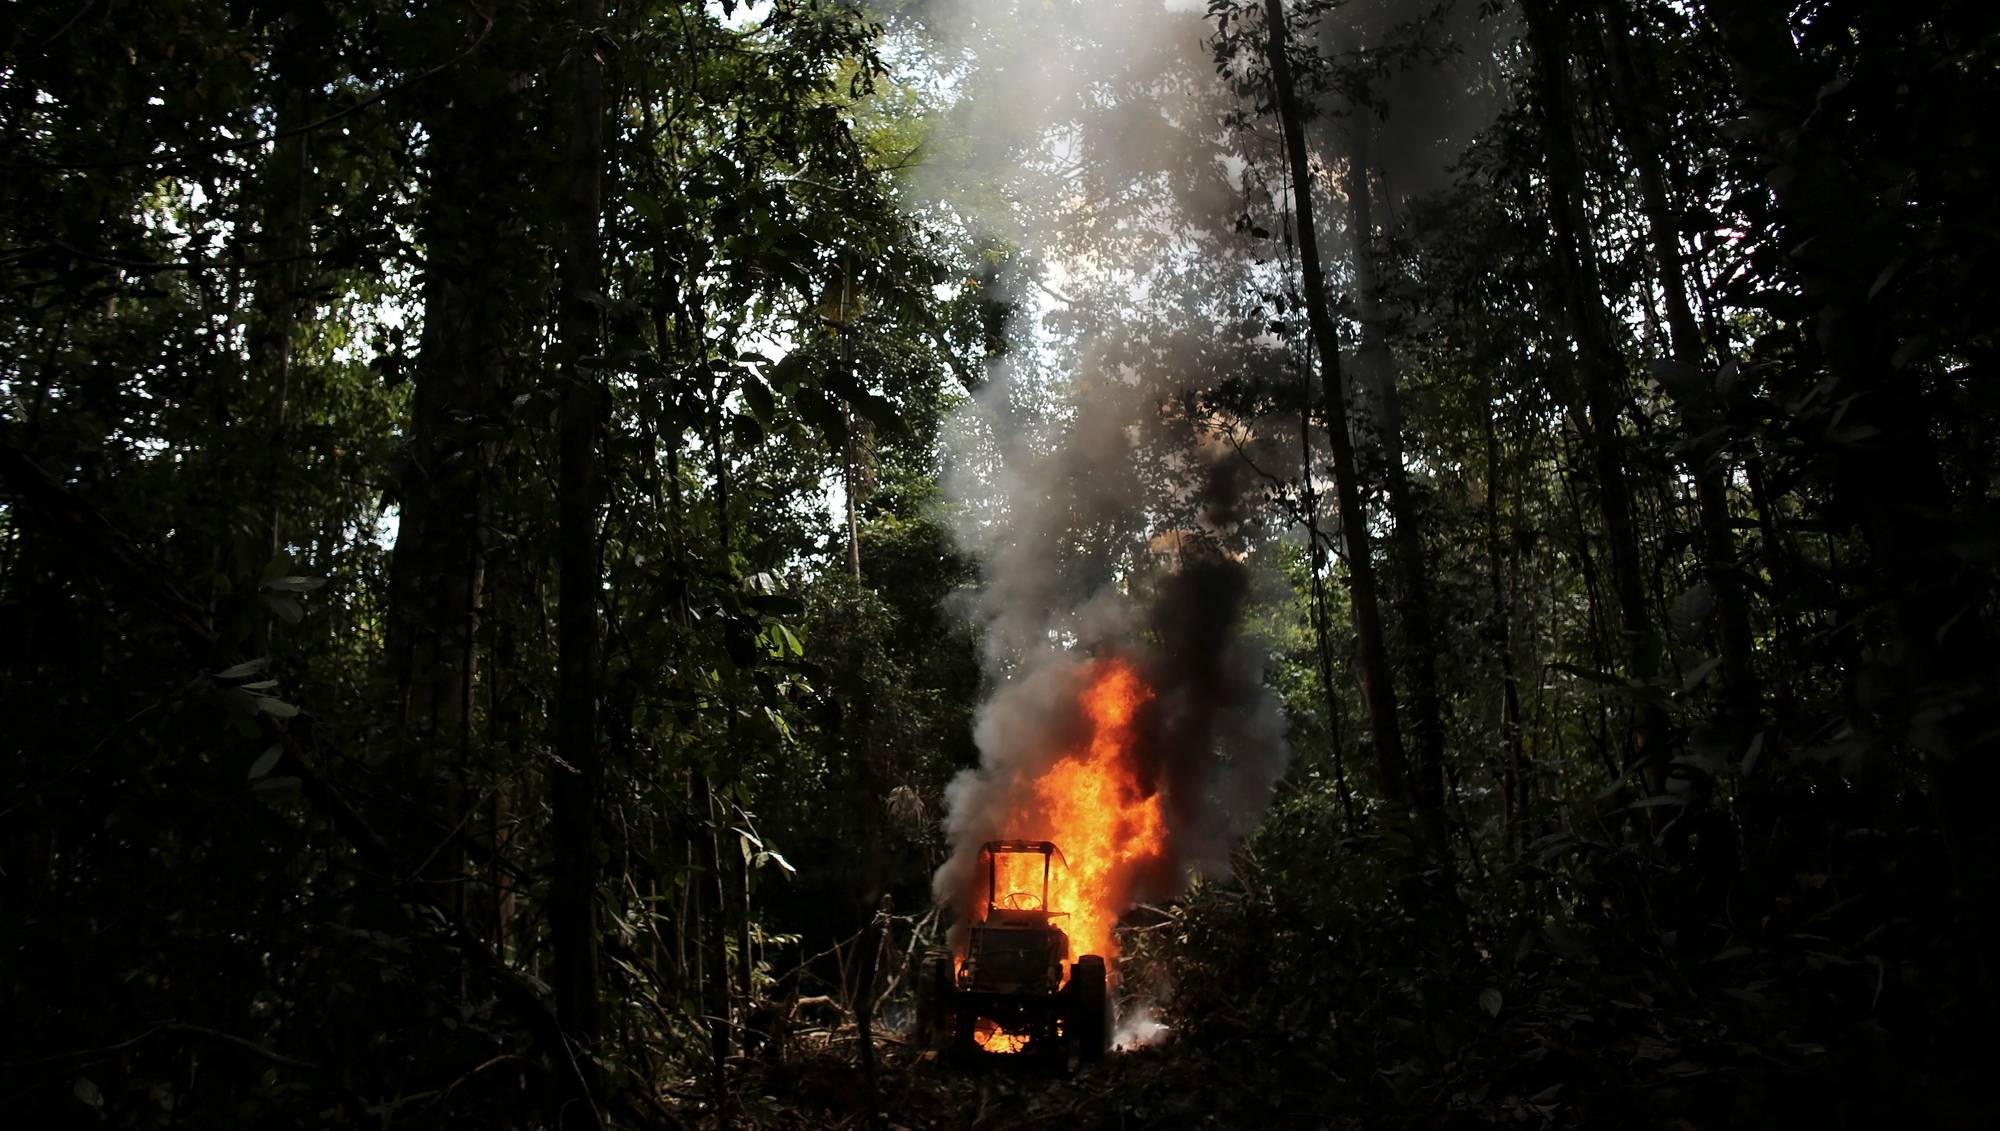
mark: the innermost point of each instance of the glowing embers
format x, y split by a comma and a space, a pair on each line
990, 1036
1092, 803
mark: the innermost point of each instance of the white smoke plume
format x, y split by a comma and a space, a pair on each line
1107, 506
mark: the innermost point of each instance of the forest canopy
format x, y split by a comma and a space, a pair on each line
542, 541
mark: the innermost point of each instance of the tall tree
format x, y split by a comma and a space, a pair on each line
579, 770
1406, 539
1630, 93
1599, 407
1377, 679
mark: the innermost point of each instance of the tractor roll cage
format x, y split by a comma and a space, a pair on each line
993, 849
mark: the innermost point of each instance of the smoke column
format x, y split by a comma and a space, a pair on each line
1108, 512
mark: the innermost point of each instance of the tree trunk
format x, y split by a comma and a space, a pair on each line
290, 205
477, 278
1601, 371
1377, 687
1321, 626
715, 946
1406, 544
579, 768
1706, 458
1514, 799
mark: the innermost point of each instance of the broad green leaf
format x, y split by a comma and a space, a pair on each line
295, 583
279, 565
758, 396
1755, 751
246, 668
266, 761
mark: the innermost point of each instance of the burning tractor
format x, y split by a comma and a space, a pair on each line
1010, 995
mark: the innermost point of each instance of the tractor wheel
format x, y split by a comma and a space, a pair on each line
934, 1004
963, 1049
1089, 1009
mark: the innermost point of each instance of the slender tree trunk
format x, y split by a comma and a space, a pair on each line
1377, 686
1707, 459
868, 962
477, 275
1600, 369
1406, 544
720, 917
290, 190
1321, 626
874, 784
579, 770
715, 957
1514, 799
851, 447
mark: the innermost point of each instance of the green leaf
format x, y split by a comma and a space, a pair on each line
238, 701
245, 669
279, 565
876, 410
295, 583
86, 1092
822, 413
1755, 751
791, 642
1489, 1000
786, 373
277, 708
758, 396
285, 608
266, 761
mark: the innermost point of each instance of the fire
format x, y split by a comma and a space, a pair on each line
1092, 804
990, 1037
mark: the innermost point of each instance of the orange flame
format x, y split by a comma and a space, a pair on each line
1092, 804
990, 1037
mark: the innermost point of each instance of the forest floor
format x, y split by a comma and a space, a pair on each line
1163, 1085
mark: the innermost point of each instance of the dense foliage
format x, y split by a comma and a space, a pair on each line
481, 578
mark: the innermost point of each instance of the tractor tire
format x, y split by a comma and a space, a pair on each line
935, 991
963, 1050
1089, 1009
